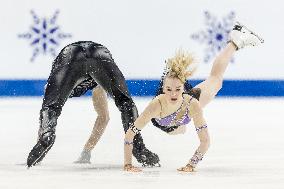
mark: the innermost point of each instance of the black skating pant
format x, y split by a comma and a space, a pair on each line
78, 62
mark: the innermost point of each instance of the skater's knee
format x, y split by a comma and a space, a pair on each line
48, 121
104, 118
103, 114
126, 104
217, 82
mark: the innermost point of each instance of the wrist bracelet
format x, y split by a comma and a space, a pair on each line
198, 129
196, 158
134, 130
128, 142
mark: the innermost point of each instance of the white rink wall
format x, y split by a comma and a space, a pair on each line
141, 35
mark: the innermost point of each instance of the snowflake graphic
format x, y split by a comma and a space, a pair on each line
44, 35
215, 34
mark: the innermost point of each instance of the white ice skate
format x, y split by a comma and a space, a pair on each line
241, 36
84, 158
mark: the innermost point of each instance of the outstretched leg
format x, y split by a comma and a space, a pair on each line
239, 37
62, 80
101, 107
211, 86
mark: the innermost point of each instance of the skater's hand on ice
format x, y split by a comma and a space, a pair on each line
187, 168
131, 168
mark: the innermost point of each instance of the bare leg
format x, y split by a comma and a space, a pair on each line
100, 104
101, 107
211, 86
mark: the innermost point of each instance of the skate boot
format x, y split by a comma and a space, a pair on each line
143, 155
84, 158
241, 36
146, 157
39, 151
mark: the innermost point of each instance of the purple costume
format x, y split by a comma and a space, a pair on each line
168, 120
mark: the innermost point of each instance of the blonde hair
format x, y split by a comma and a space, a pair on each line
181, 66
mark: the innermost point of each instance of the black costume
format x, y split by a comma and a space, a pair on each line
80, 67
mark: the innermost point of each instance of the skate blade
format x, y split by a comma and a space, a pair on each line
82, 162
260, 38
151, 166
40, 157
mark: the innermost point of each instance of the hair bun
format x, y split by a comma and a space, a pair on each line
182, 65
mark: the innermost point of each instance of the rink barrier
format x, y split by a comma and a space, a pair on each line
232, 88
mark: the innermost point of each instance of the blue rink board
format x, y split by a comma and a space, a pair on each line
232, 88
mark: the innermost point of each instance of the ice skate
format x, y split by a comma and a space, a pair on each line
241, 36
39, 151
146, 157
85, 158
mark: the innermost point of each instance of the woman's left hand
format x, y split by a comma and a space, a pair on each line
187, 168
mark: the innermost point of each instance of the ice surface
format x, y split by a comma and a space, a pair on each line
246, 148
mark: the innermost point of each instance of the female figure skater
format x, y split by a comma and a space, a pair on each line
177, 104
79, 67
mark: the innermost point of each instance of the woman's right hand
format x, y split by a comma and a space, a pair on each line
128, 147
131, 168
